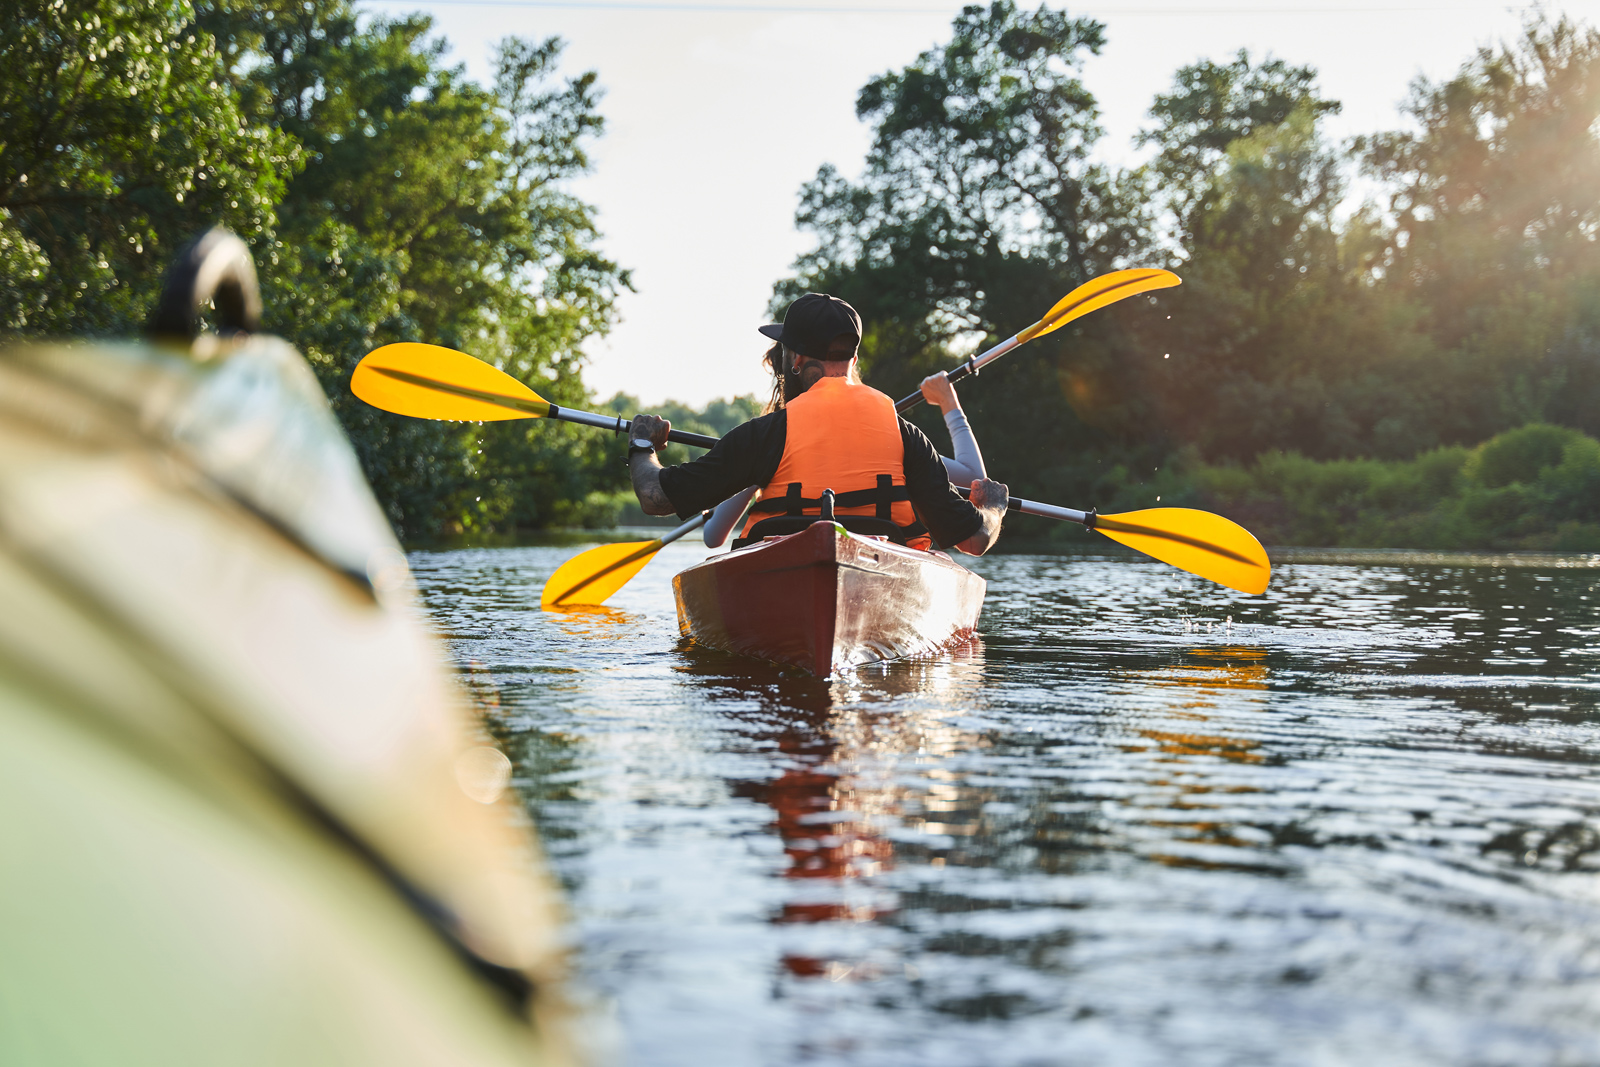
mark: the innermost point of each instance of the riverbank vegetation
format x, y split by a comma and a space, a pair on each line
385, 196
1364, 323
1533, 488
1332, 371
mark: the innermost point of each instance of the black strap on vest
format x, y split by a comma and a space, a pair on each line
883, 497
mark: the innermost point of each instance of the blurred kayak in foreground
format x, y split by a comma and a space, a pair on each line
244, 816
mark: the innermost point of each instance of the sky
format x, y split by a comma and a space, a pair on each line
717, 111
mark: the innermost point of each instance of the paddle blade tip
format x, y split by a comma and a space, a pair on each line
589, 578
1099, 292
1204, 544
426, 381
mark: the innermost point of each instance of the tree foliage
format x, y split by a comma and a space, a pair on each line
387, 197
1459, 302
979, 206
432, 208
119, 140
1536, 487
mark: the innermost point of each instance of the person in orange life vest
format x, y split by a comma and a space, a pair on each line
836, 433
962, 468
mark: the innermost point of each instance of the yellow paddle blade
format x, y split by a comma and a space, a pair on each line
590, 577
1096, 293
431, 382
1199, 542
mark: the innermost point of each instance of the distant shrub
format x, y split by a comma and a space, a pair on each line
1535, 487
1573, 485
1519, 456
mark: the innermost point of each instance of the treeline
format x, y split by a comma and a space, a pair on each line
386, 198
1312, 344
1458, 301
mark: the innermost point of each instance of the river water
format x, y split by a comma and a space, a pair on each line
1144, 820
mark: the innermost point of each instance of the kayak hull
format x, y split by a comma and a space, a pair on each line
245, 810
826, 600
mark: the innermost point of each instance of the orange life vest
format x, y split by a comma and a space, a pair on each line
843, 436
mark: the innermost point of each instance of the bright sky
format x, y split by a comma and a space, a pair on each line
718, 111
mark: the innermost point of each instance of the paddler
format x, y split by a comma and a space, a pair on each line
964, 468
834, 433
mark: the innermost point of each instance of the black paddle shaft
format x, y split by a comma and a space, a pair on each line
698, 440
906, 403
619, 424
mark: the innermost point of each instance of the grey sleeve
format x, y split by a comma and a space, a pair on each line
950, 520
967, 466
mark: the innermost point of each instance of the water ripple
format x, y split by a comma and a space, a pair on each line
1142, 820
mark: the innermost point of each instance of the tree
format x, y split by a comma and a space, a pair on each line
1213, 107
978, 208
1280, 337
1494, 216
119, 140
432, 209
386, 198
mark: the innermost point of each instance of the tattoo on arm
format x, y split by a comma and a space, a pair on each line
646, 472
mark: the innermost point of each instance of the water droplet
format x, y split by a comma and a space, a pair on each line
483, 772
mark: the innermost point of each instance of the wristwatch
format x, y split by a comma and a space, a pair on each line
640, 444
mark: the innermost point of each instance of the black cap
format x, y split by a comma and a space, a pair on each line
813, 325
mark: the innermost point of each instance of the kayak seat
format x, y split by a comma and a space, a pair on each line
782, 525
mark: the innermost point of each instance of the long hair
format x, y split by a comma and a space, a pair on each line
786, 384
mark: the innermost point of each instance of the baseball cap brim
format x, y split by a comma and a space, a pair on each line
774, 331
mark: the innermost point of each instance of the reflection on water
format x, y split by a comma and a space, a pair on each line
1145, 821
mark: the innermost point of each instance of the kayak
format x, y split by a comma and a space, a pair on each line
827, 600
247, 815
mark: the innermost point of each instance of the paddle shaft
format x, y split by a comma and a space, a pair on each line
620, 425
540, 408
688, 527
1106, 289
1045, 511
971, 366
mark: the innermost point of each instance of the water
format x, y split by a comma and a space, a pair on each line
1144, 821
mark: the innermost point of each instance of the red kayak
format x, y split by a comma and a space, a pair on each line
828, 600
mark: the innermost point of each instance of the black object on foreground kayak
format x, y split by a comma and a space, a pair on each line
243, 814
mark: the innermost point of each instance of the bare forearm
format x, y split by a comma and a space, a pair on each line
646, 472
990, 498
987, 534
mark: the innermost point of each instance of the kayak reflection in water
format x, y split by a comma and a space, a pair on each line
828, 431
